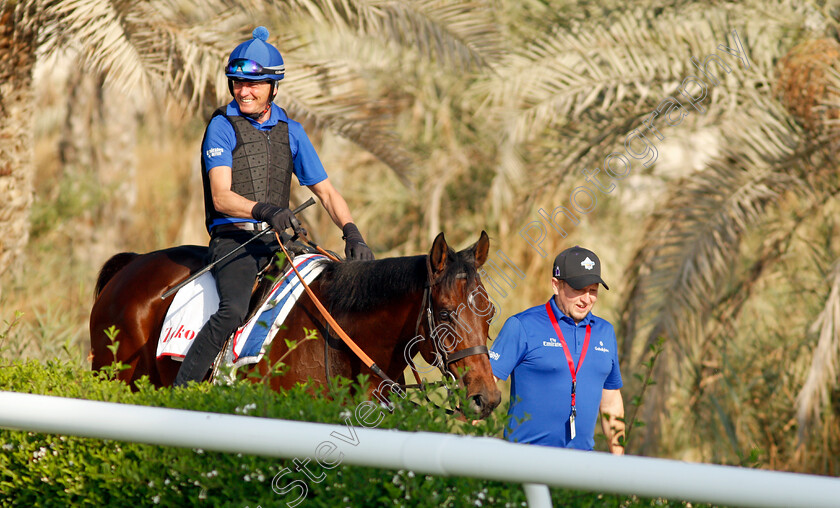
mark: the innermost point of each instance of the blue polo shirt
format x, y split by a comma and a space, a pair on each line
220, 140
528, 350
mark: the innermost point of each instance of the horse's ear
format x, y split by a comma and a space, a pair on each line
438, 255
481, 248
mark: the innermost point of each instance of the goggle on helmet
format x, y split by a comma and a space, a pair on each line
256, 60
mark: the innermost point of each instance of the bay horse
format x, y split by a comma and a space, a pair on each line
391, 308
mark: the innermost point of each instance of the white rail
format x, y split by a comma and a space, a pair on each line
421, 452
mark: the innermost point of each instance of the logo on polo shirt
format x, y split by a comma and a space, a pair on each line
493, 355
587, 263
601, 348
552, 342
215, 152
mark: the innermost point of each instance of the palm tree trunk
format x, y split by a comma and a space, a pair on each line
97, 147
17, 56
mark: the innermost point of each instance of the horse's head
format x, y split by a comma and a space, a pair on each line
458, 314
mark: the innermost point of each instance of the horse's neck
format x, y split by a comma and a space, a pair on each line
386, 332
402, 315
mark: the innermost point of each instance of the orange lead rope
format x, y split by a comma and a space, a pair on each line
344, 337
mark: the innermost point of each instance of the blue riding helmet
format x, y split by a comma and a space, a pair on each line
256, 60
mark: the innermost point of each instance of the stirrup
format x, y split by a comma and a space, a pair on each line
225, 357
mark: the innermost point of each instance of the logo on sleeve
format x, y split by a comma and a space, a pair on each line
493, 355
214, 152
552, 342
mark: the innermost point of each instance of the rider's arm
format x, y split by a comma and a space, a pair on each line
333, 202
217, 157
224, 199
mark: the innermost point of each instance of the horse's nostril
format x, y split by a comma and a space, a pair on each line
478, 400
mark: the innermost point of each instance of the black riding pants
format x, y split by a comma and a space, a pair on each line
235, 279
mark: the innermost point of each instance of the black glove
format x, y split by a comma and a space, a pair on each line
278, 218
355, 246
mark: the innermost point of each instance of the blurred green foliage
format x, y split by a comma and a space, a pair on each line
49, 470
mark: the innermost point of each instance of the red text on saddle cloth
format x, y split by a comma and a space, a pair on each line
181, 332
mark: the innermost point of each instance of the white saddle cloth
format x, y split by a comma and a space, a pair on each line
197, 301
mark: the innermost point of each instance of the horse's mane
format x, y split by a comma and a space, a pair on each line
360, 286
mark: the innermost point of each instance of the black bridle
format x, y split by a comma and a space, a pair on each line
442, 359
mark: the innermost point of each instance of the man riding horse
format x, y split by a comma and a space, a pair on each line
250, 150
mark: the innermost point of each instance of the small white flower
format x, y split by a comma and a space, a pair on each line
151, 484
156, 499
166, 481
8, 446
344, 414
261, 478
199, 451
247, 478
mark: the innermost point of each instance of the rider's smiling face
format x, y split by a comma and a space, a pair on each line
252, 96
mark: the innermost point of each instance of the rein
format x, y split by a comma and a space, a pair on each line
442, 359
341, 333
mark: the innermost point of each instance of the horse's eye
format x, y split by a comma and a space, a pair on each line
444, 314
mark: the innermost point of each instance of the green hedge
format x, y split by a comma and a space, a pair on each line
48, 470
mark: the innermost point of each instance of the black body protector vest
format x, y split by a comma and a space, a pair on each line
262, 165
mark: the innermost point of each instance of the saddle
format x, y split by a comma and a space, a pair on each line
274, 293
271, 273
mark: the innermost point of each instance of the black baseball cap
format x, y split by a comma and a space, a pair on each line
579, 267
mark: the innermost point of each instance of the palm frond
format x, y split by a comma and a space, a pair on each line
460, 33
637, 59
111, 37
196, 53
825, 365
689, 244
570, 97
324, 95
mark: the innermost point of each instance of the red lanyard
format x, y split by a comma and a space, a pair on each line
572, 369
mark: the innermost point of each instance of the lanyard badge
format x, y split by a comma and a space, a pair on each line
572, 369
